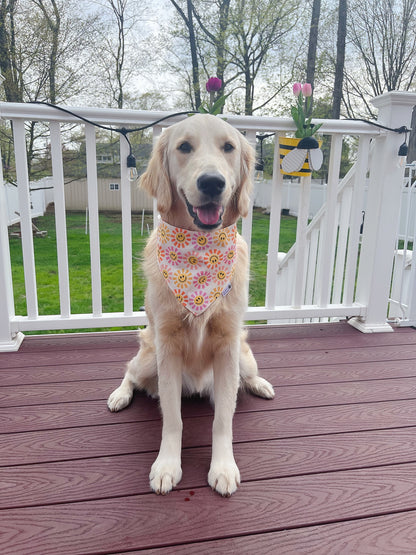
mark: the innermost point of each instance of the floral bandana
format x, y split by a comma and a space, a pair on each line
198, 266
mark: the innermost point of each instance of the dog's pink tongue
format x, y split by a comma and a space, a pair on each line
209, 214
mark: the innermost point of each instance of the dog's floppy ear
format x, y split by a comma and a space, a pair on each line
155, 179
246, 177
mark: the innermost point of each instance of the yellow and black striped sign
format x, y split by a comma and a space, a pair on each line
286, 145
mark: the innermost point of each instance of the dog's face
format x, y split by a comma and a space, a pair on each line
200, 173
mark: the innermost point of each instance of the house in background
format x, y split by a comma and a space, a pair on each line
108, 177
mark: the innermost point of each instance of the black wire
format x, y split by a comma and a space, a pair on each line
124, 131
402, 129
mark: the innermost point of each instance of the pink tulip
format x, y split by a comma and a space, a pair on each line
213, 84
307, 89
297, 87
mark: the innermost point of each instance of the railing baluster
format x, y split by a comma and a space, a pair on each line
25, 219
60, 219
356, 218
126, 228
301, 241
329, 229
274, 229
247, 224
94, 226
157, 131
342, 243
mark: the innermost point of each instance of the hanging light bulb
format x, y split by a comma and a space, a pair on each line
403, 150
258, 172
131, 166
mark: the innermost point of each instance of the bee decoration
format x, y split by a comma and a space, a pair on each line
308, 147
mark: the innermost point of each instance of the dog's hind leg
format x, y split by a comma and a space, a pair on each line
249, 376
141, 373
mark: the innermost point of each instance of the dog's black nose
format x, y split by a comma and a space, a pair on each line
211, 184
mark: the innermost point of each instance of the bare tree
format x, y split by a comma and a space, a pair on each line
188, 18
53, 21
8, 57
340, 60
382, 33
257, 27
313, 42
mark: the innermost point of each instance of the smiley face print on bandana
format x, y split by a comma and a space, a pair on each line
197, 266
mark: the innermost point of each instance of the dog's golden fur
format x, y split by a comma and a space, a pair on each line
179, 352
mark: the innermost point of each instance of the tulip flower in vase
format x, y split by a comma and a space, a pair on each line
302, 154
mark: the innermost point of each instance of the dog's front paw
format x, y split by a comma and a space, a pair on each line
165, 474
261, 387
120, 398
224, 478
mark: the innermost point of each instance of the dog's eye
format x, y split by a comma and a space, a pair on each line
228, 147
185, 147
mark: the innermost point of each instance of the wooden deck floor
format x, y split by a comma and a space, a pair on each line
329, 466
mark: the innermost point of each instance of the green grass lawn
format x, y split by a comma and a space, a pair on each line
111, 262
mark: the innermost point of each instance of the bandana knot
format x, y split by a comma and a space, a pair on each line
198, 266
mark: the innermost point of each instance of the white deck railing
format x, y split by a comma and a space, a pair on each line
329, 272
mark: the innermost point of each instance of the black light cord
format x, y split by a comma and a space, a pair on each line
132, 162
121, 130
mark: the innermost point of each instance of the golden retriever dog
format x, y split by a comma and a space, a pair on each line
200, 173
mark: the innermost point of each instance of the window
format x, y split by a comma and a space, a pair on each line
104, 159
114, 186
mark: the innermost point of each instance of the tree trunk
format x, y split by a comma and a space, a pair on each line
194, 56
220, 43
339, 66
313, 42
8, 65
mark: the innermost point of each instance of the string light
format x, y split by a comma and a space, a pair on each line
131, 161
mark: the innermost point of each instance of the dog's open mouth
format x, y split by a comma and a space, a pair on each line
207, 216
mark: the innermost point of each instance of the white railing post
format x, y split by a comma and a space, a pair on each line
8, 340
382, 213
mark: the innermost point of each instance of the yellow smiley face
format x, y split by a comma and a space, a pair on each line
202, 240
199, 299
213, 259
180, 237
221, 275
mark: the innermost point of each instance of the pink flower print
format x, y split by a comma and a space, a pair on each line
193, 260
221, 238
166, 271
202, 279
215, 294
212, 258
181, 238
182, 278
181, 296
229, 257
202, 241
173, 255
163, 233
198, 301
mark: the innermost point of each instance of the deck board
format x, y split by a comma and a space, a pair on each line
328, 466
